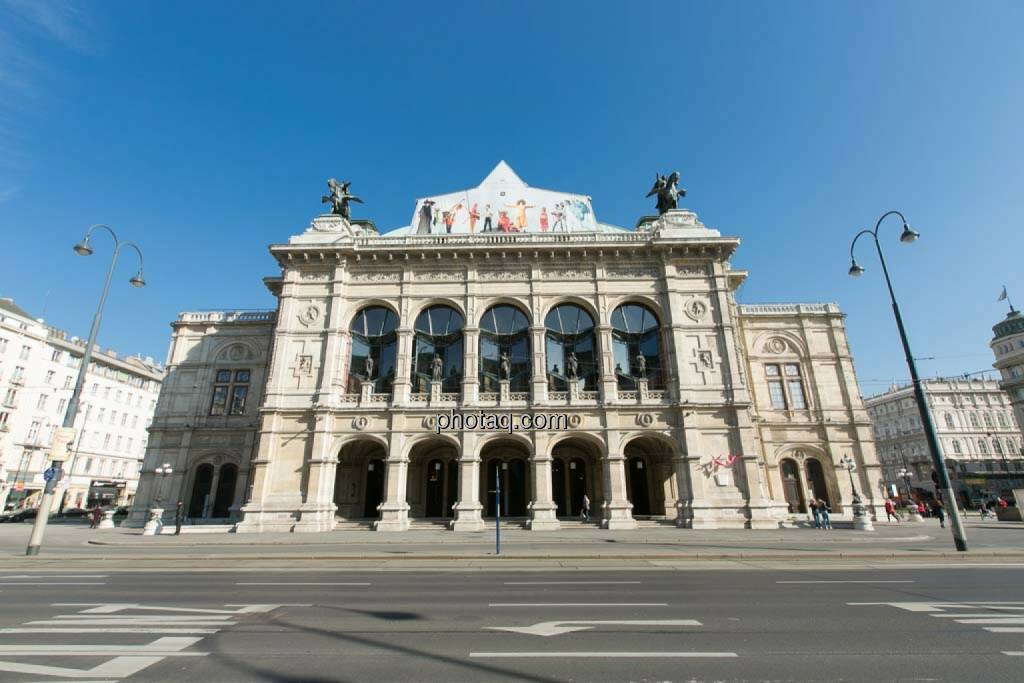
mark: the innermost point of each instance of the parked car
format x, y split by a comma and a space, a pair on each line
20, 515
74, 512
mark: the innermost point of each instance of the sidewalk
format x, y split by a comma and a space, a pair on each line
77, 544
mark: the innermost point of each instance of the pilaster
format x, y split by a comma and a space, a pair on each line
617, 512
542, 509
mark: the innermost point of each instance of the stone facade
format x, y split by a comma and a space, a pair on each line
733, 416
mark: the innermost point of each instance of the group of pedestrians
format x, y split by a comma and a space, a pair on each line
822, 514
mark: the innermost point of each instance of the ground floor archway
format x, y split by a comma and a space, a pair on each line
432, 484
651, 486
359, 480
792, 491
575, 472
505, 461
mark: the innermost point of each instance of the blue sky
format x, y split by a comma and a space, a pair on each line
205, 132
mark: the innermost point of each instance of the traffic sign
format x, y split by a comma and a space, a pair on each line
49, 473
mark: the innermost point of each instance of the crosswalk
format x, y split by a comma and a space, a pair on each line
992, 615
176, 629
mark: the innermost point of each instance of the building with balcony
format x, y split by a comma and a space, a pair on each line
38, 368
978, 432
627, 370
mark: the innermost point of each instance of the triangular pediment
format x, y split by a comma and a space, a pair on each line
503, 175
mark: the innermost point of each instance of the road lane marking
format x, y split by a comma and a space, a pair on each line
566, 583
54, 576
1005, 621
118, 667
577, 604
53, 583
850, 581
93, 629
114, 621
299, 583
113, 607
168, 646
554, 628
1005, 629
631, 655
1013, 654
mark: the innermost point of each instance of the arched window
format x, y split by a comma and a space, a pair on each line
1002, 419
570, 330
374, 338
636, 332
982, 447
974, 421
438, 333
956, 446
949, 422
504, 331
988, 419
997, 447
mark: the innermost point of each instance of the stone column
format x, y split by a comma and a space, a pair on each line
317, 510
759, 506
695, 510
402, 385
470, 371
609, 383
394, 511
468, 509
617, 513
542, 508
538, 379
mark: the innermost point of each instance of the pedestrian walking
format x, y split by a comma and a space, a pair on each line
815, 513
95, 516
823, 510
939, 511
921, 509
890, 511
585, 509
1001, 503
179, 516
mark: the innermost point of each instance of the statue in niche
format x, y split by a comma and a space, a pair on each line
573, 366
667, 191
340, 198
437, 368
506, 366
368, 367
641, 366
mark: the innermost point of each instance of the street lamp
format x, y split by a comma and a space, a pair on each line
908, 236
65, 434
156, 513
861, 520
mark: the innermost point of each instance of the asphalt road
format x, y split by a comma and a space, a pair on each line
955, 624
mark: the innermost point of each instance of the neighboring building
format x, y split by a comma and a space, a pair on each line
1008, 346
977, 431
679, 404
38, 368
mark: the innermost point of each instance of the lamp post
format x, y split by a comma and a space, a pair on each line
861, 520
912, 512
156, 513
66, 433
908, 236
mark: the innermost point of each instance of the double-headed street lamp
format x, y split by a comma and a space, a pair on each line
908, 236
162, 472
83, 248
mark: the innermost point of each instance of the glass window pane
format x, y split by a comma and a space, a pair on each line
771, 370
793, 370
796, 394
238, 400
242, 376
222, 376
220, 399
777, 396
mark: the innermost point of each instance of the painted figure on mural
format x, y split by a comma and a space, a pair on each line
504, 223
579, 210
559, 213
437, 218
520, 208
426, 216
488, 216
544, 219
449, 217
474, 216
